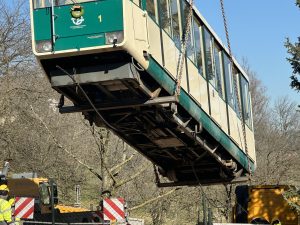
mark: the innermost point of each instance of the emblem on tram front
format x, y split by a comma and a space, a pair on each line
77, 21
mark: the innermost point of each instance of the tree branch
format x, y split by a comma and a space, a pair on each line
130, 178
102, 144
116, 167
153, 199
63, 148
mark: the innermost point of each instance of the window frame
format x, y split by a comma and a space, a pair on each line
155, 10
56, 3
205, 38
197, 26
172, 21
236, 98
168, 17
228, 80
217, 69
191, 41
246, 102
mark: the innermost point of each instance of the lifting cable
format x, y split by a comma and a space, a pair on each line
204, 195
236, 88
201, 190
184, 42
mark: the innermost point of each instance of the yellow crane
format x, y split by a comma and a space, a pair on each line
28, 185
265, 204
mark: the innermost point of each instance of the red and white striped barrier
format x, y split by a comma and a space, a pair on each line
24, 208
113, 209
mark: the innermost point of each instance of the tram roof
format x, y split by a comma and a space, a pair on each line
197, 12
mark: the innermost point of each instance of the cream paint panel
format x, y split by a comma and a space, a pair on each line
198, 86
136, 41
154, 40
170, 55
140, 29
236, 131
184, 76
214, 104
194, 82
240, 135
203, 94
223, 116
250, 143
139, 24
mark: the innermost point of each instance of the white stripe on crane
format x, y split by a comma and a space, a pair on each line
112, 211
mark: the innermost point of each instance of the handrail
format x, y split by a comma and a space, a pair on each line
53, 24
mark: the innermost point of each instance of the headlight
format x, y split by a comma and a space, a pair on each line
114, 37
43, 46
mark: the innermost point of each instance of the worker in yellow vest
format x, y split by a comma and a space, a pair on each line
5, 207
12, 201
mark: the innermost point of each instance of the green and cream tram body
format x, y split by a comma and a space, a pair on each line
124, 55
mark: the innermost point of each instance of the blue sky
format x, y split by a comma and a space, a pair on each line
258, 29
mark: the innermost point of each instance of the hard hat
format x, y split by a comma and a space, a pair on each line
4, 189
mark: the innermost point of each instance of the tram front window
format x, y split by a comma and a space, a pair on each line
48, 3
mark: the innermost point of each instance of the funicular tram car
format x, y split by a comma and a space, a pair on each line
124, 55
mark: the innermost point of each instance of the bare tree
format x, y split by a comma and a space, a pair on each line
276, 135
66, 148
15, 47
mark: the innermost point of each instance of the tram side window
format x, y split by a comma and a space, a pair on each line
198, 53
175, 23
190, 42
169, 19
246, 102
190, 48
208, 55
151, 9
48, 3
164, 16
237, 98
217, 76
228, 81
67, 2
41, 4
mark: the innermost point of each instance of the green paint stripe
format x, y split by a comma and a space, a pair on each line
160, 75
